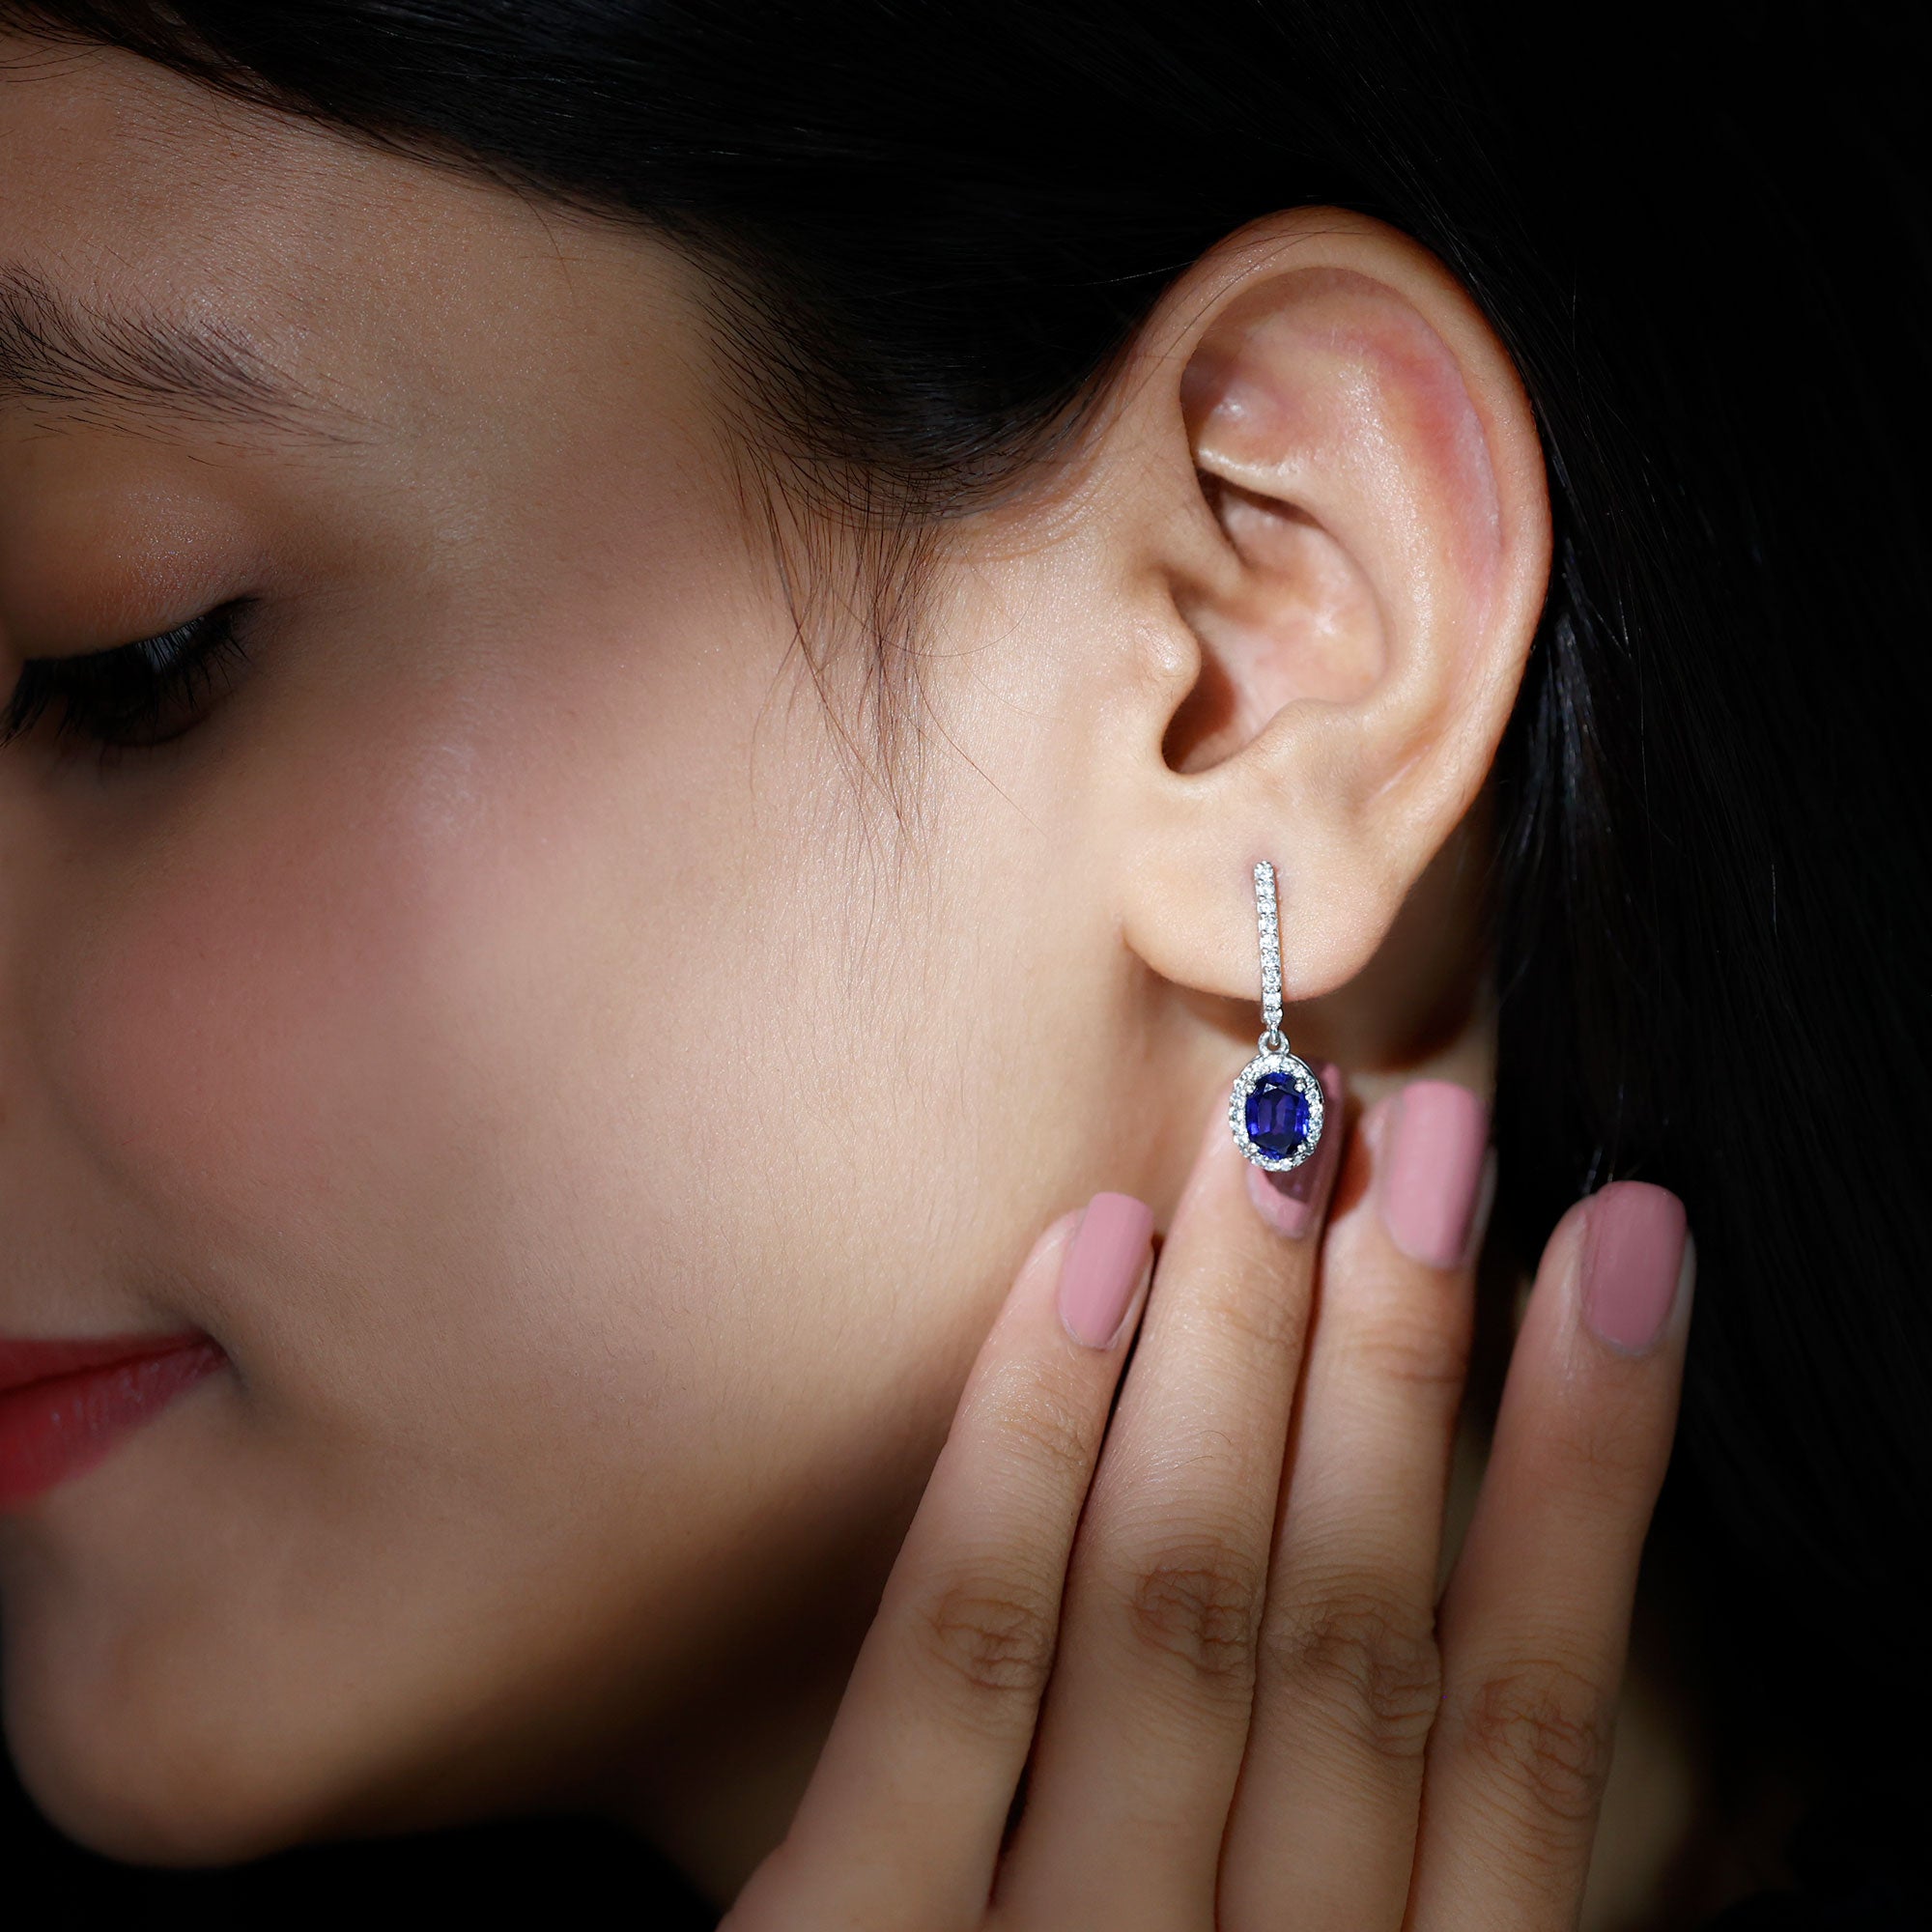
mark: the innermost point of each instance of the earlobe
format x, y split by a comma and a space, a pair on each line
1361, 620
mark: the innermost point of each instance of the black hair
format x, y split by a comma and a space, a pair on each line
1704, 243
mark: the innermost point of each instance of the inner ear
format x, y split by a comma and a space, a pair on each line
1296, 620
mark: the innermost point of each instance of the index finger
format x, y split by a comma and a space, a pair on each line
902, 1822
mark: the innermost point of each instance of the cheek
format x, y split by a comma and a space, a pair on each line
264, 993
379, 1036
332, 1041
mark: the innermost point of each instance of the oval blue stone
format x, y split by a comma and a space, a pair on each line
1277, 1116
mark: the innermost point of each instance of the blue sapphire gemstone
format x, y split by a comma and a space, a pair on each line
1277, 1116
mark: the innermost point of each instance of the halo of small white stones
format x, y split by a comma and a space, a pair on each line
1303, 1075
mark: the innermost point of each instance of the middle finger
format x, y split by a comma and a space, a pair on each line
1146, 1720
1324, 1821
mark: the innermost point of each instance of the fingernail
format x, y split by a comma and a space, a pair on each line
1434, 1171
1638, 1259
1292, 1203
1105, 1261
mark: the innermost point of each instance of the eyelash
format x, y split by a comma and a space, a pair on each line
137, 695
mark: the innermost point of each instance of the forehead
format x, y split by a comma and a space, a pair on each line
384, 286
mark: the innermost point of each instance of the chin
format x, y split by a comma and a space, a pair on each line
248, 1629
141, 1786
146, 1708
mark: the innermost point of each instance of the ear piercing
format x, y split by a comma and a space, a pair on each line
1275, 1110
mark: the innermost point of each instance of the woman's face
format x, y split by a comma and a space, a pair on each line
590, 1101
586, 1048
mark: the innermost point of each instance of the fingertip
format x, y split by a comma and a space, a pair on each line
1437, 1138
1033, 1284
1637, 1262
1101, 1273
1294, 1203
1052, 1238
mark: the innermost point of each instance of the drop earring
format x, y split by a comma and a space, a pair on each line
1276, 1107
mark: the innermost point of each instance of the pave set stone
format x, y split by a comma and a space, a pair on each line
1269, 925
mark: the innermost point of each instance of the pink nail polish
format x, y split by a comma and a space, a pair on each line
1636, 1254
1434, 1171
1103, 1266
1292, 1203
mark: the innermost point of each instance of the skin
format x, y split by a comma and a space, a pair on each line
595, 1082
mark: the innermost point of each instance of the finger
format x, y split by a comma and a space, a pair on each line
1536, 1617
901, 1825
1141, 1739
1324, 1819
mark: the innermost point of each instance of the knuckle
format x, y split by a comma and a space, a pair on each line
1197, 1601
1544, 1728
1049, 1428
1368, 1659
989, 1641
1416, 1353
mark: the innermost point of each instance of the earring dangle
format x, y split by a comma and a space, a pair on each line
1276, 1107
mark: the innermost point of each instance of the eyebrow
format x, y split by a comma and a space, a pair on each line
132, 365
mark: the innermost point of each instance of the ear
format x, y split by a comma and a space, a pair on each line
1349, 592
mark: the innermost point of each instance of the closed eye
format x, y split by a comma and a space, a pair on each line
140, 694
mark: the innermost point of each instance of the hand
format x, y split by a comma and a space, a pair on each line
1208, 1631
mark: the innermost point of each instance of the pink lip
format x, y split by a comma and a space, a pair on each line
65, 1404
